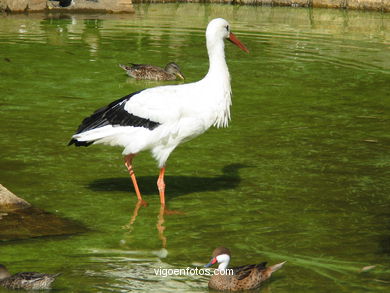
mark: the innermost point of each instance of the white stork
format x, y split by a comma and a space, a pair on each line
160, 118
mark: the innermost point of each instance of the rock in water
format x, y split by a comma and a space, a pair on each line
9, 201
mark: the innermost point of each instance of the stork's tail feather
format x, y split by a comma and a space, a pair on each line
80, 143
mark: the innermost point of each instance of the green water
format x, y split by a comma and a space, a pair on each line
301, 174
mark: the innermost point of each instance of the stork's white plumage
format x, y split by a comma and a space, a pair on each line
160, 118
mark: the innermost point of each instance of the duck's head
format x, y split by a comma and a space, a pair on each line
219, 28
4, 272
221, 255
173, 68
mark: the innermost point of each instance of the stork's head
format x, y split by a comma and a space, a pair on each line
219, 28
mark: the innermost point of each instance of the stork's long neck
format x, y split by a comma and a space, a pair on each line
218, 67
218, 80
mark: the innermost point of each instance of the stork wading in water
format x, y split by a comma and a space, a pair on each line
160, 118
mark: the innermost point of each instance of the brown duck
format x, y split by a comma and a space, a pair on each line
26, 280
151, 72
240, 278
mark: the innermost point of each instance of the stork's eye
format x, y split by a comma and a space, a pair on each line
227, 28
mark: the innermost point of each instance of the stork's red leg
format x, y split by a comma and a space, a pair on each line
161, 189
129, 166
161, 186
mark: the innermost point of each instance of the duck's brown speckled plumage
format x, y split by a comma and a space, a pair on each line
25, 280
246, 277
151, 72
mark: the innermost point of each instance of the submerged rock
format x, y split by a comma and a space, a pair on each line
19, 220
33, 222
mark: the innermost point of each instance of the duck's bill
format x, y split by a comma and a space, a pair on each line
212, 261
179, 74
232, 38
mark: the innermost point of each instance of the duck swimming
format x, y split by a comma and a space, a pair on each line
25, 280
151, 72
240, 278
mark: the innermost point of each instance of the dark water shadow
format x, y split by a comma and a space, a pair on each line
175, 185
33, 222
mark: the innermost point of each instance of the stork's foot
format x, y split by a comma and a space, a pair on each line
142, 203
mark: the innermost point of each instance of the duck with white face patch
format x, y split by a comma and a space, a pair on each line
238, 278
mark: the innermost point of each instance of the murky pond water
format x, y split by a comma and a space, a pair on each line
301, 174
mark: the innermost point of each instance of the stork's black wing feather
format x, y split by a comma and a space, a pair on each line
113, 114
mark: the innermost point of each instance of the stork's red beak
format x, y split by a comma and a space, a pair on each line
232, 38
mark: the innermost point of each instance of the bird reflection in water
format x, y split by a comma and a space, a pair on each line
159, 225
